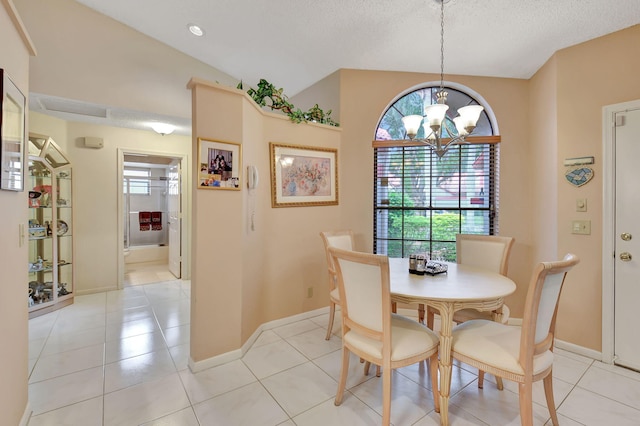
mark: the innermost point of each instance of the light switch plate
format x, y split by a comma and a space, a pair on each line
582, 227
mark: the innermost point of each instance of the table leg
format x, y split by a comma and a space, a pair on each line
446, 339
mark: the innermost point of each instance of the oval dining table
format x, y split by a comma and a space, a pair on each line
461, 287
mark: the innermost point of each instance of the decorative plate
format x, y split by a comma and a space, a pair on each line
579, 176
62, 227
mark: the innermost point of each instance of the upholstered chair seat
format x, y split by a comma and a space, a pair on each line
523, 354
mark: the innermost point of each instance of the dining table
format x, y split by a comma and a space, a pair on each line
460, 287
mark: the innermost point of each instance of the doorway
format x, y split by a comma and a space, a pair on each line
621, 235
150, 215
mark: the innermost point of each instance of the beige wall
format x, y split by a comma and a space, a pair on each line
365, 95
590, 76
261, 274
89, 57
97, 188
14, 60
325, 93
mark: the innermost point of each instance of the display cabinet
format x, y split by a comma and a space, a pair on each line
49, 182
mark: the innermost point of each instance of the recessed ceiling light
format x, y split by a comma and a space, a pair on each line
196, 30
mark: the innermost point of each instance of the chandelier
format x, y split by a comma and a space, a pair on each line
433, 120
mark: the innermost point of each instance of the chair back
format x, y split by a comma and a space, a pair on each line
363, 283
341, 239
484, 251
541, 308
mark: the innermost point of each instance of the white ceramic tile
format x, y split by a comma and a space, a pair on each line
313, 345
173, 314
185, 417
85, 413
323, 322
180, 355
119, 304
612, 385
65, 390
300, 388
248, 405
266, 337
138, 369
175, 336
409, 401
352, 412
591, 409
573, 356
69, 341
568, 369
332, 365
560, 390
622, 371
71, 324
120, 349
132, 314
35, 347
216, 380
117, 331
564, 421
457, 417
287, 423
496, 407
67, 362
272, 358
40, 327
295, 328
145, 402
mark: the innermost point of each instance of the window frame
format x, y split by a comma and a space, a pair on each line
487, 142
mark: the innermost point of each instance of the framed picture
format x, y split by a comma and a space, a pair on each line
220, 164
303, 176
12, 134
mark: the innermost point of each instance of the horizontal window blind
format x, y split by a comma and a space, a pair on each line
422, 201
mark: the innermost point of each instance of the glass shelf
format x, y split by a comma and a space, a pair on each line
50, 250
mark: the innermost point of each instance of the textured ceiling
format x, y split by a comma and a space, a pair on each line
295, 43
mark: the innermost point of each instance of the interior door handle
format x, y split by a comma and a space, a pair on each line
625, 256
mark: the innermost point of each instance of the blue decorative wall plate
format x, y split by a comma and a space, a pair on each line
579, 176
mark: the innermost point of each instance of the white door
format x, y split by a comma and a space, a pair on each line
627, 239
175, 218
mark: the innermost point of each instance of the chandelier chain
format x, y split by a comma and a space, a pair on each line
441, 45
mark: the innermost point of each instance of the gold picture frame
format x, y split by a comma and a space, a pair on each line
303, 176
219, 165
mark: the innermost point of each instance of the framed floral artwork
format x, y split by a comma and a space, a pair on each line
219, 164
303, 176
12, 135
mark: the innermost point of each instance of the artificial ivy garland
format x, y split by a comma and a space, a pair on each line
279, 101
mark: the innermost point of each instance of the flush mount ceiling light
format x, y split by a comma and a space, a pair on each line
163, 128
440, 136
195, 30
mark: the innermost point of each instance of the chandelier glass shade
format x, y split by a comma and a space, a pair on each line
439, 136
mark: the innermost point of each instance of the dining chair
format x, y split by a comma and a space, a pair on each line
489, 252
342, 239
522, 354
371, 331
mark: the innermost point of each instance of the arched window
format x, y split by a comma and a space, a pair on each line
422, 201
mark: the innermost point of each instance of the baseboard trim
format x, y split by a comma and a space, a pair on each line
196, 366
26, 415
580, 350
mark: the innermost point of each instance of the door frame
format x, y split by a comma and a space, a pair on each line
608, 225
184, 207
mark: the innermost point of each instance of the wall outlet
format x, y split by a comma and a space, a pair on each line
310, 292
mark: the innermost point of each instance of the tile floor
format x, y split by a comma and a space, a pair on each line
146, 273
120, 358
